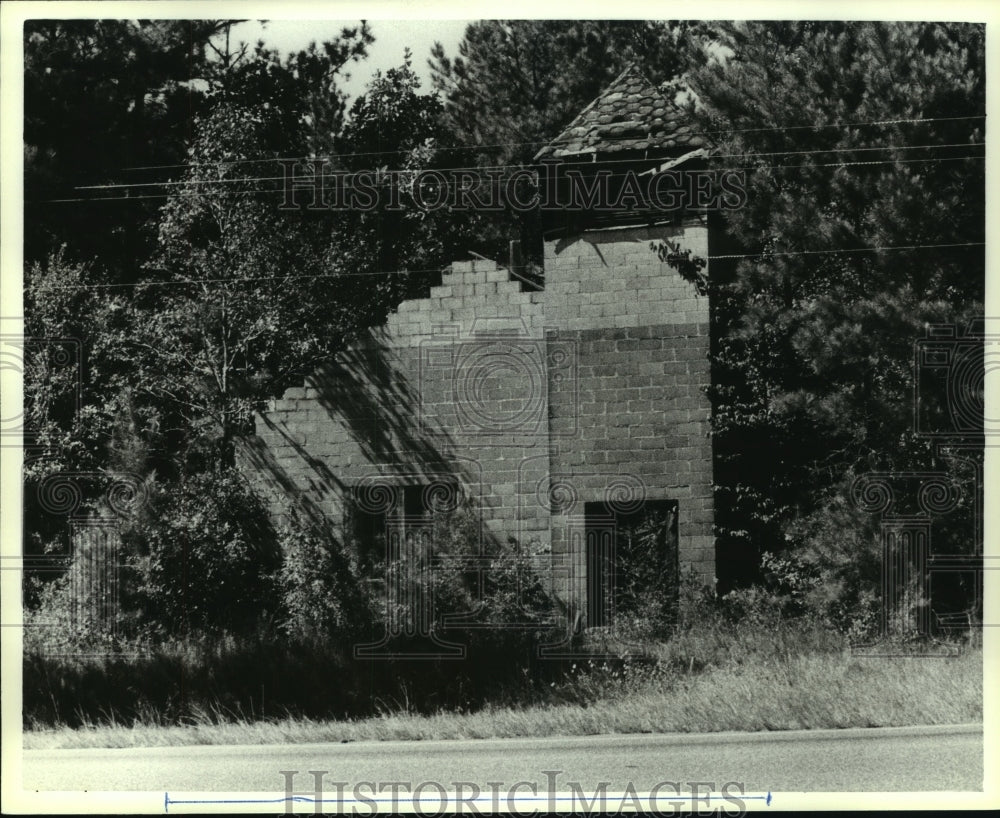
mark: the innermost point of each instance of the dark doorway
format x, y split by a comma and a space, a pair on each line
632, 564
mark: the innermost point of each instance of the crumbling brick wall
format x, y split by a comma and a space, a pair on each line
452, 384
540, 401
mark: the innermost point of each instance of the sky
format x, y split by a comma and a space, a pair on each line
391, 38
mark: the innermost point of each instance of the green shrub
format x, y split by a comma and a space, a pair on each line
647, 578
322, 597
203, 555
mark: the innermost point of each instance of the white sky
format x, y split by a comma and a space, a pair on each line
391, 38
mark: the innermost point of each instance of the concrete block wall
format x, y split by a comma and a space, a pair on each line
454, 383
591, 390
639, 409
611, 278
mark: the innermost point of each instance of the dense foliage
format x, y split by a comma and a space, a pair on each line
189, 300
323, 598
202, 555
879, 128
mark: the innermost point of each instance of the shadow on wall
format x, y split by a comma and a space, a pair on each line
360, 415
369, 388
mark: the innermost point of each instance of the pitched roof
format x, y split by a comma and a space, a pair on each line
631, 115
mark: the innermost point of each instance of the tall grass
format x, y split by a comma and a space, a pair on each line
227, 677
711, 676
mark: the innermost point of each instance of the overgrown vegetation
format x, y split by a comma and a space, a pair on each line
854, 238
306, 670
196, 300
759, 672
209, 624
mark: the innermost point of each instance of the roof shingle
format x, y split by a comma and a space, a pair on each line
631, 115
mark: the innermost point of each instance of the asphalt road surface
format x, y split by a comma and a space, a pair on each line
946, 758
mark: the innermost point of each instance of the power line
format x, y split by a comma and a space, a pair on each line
847, 250
297, 277
200, 281
243, 179
148, 196
543, 143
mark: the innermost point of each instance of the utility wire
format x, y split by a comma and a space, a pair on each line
296, 277
116, 186
769, 253
141, 197
543, 143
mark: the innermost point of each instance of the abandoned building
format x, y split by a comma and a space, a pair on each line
559, 410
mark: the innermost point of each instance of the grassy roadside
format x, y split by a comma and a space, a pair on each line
806, 691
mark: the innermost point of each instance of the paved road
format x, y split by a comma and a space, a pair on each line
885, 759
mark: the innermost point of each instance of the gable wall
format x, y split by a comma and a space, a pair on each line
453, 383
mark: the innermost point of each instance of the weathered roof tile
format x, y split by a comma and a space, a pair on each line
632, 114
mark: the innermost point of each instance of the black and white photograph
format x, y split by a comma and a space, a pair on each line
410, 410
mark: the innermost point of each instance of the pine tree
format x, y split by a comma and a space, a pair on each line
856, 138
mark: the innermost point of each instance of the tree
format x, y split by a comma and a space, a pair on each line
73, 391
305, 84
202, 555
138, 87
855, 137
110, 103
238, 300
318, 69
103, 98
395, 133
242, 300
